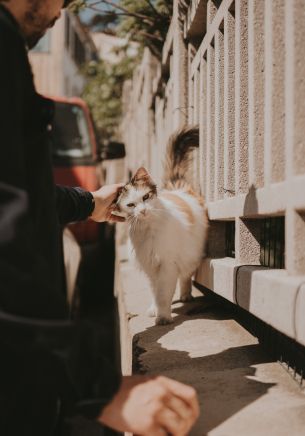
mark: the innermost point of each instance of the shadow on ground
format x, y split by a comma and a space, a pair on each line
224, 380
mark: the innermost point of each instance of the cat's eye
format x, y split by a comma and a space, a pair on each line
130, 205
146, 197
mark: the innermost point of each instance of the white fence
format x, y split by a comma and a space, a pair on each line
237, 68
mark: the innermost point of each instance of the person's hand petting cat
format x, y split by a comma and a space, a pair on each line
104, 200
152, 406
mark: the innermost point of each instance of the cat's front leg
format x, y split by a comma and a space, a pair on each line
164, 289
152, 311
186, 289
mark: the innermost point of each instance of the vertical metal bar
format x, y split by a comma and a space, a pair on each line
227, 250
269, 228
264, 241
275, 220
283, 243
234, 233
278, 244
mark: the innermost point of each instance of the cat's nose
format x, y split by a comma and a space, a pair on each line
143, 212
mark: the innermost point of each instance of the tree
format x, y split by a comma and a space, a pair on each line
103, 92
143, 21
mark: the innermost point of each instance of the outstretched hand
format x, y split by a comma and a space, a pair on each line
152, 406
105, 199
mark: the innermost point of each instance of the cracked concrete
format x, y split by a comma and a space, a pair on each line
241, 390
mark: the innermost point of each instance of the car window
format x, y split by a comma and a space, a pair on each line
70, 132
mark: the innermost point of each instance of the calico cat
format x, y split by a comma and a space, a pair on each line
167, 228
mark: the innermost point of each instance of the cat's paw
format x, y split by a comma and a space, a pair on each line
186, 298
151, 311
162, 320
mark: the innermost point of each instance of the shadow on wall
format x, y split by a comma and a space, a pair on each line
242, 283
243, 276
222, 379
251, 203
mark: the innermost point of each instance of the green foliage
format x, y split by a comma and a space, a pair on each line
143, 21
103, 93
147, 23
77, 5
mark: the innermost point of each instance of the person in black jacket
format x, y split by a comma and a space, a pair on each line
53, 375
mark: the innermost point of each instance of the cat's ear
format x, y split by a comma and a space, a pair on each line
141, 177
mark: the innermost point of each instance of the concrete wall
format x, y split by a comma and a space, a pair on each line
236, 67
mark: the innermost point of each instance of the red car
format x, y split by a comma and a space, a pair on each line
75, 155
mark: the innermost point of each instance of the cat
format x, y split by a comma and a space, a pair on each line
167, 228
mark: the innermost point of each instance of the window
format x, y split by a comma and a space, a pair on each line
70, 133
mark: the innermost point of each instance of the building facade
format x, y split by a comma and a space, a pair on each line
236, 68
58, 58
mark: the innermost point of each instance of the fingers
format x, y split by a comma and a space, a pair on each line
171, 422
184, 392
185, 415
116, 219
114, 187
108, 193
113, 217
158, 432
117, 188
151, 406
180, 408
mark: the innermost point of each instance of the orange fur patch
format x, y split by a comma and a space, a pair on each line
201, 201
197, 196
182, 205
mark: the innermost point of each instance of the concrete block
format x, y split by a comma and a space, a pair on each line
271, 295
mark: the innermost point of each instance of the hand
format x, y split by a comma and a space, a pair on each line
152, 406
105, 203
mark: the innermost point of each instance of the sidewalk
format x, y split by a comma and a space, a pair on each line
241, 392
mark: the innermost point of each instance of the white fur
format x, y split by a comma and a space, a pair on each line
167, 246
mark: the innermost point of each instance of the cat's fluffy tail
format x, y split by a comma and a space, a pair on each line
178, 156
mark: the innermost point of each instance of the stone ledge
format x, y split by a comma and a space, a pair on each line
271, 295
241, 391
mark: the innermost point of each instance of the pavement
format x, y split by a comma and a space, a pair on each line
242, 392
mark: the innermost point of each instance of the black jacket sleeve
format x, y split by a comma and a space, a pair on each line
73, 204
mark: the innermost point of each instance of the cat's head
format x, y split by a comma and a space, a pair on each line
137, 197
